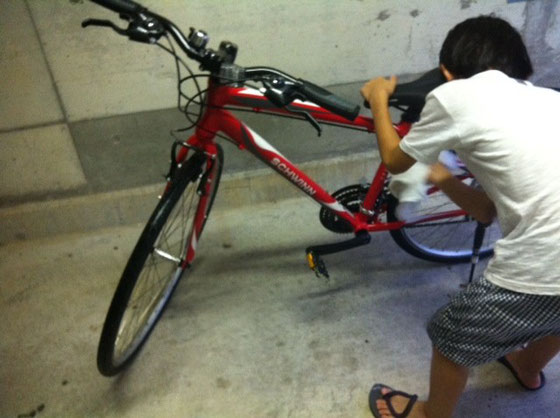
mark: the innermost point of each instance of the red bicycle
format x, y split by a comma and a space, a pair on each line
440, 231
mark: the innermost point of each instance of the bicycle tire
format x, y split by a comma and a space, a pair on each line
447, 240
155, 265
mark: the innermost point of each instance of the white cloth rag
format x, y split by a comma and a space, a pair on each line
411, 186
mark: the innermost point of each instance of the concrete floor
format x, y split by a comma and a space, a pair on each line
250, 333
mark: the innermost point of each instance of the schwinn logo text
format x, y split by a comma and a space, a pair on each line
293, 177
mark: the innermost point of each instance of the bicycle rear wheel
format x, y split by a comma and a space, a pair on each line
445, 235
157, 263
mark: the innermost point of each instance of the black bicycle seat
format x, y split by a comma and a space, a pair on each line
413, 94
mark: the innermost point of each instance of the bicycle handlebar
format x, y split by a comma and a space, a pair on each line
127, 7
145, 26
329, 101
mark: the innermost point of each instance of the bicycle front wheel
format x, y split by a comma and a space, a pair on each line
438, 230
158, 262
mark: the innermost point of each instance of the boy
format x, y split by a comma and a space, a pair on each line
494, 123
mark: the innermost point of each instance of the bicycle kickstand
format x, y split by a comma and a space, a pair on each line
478, 238
314, 253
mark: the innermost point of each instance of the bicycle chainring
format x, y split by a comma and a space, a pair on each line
351, 197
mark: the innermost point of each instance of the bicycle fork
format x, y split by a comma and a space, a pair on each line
315, 252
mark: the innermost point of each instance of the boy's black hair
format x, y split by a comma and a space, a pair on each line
482, 43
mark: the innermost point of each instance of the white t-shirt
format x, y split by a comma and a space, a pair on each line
504, 131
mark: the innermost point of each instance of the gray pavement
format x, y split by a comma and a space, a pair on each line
250, 332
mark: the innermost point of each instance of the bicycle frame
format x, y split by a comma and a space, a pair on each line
217, 118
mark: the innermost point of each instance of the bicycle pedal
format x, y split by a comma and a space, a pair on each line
317, 264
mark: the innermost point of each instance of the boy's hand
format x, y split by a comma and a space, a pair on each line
473, 200
439, 174
377, 93
378, 90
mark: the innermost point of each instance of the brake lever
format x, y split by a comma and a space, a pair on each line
143, 29
103, 23
307, 116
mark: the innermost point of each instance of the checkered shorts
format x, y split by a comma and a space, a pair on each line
485, 322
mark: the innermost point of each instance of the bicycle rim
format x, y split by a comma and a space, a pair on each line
436, 232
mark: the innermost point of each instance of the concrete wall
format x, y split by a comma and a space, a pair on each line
328, 41
55, 73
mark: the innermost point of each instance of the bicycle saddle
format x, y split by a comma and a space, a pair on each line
413, 94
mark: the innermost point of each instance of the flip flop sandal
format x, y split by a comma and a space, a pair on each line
508, 365
375, 394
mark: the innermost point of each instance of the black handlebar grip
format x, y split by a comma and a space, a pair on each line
127, 7
329, 101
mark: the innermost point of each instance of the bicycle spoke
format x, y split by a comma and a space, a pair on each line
131, 322
187, 201
443, 236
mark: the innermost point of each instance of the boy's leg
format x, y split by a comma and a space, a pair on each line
447, 382
447, 379
529, 362
463, 330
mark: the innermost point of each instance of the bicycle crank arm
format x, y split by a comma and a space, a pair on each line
314, 253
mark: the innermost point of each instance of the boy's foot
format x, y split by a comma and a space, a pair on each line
527, 381
386, 402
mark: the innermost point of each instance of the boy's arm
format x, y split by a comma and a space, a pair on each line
377, 93
474, 201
